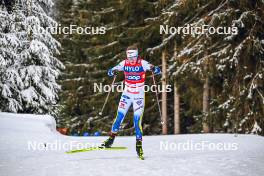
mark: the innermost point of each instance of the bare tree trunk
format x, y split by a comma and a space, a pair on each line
206, 104
212, 122
176, 101
164, 94
176, 110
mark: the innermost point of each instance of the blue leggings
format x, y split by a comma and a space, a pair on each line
138, 101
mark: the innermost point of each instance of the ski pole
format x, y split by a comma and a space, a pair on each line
157, 98
106, 99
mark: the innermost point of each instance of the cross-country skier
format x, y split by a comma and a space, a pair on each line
134, 68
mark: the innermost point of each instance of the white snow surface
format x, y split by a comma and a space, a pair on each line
16, 130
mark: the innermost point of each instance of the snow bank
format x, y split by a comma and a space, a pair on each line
28, 123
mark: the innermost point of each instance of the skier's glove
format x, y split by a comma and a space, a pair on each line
111, 72
156, 70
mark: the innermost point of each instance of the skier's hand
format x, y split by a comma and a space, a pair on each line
156, 70
111, 72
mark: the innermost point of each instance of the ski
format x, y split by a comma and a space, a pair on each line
94, 149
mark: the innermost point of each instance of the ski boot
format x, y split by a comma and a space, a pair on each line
139, 149
109, 142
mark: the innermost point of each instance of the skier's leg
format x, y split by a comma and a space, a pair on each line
123, 107
138, 106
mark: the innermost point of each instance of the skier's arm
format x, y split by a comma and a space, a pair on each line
147, 66
119, 67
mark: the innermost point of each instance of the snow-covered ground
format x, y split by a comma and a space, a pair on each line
164, 155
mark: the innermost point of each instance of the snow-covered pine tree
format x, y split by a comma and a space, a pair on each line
232, 63
28, 64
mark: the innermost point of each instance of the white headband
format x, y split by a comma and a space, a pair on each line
132, 53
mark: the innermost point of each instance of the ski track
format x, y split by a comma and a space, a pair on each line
16, 159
